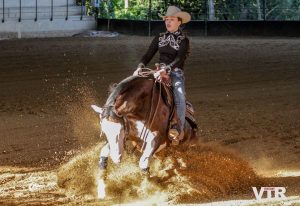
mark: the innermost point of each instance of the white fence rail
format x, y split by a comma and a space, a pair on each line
42, 18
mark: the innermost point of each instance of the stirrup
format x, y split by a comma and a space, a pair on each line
174, 133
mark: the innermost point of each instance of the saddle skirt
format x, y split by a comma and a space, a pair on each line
168, 98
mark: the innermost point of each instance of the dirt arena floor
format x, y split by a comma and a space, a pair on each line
246, 92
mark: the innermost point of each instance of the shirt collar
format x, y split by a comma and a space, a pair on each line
176, 33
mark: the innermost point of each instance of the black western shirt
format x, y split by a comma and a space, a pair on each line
173, 49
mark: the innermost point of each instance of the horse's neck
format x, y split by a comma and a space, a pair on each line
135, 98
113, 95
139, 104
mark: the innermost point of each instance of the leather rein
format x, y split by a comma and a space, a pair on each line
149, 118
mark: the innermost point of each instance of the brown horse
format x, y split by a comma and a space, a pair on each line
136, 111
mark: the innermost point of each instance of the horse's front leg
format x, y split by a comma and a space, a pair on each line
104, 153
114, 148
150, 147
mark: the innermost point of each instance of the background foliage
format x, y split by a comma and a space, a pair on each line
199, 9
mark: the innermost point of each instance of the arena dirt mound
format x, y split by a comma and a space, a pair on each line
187, 174
78, 175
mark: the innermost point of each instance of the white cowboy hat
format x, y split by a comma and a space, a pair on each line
176, 12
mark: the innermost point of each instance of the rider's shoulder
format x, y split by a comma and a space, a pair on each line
162, 34
157, 36
186, 37
184, 34
183, 38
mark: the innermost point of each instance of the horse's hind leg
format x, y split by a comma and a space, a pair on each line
104, 153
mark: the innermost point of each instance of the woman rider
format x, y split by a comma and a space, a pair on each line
173, 47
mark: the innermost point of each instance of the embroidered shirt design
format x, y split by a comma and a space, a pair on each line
169, 39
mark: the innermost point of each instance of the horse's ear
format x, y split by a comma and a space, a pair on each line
112, 87
97, 109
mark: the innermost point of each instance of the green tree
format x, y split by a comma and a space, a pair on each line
282, 10
202, 9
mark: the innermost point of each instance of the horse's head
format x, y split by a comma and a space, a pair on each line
114, 133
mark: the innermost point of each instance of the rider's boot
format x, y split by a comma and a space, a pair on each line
175, 134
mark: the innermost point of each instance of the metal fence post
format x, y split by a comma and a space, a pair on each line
149, 18
51, 18
36, 11
81, 10
3, 12
20, 15
108, 18
205, 18
264, 9
67, 15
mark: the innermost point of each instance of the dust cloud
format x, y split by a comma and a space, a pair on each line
187, 174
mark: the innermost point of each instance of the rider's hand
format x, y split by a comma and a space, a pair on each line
139, 68
159, 73
156, 74
137, 71
167, 68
